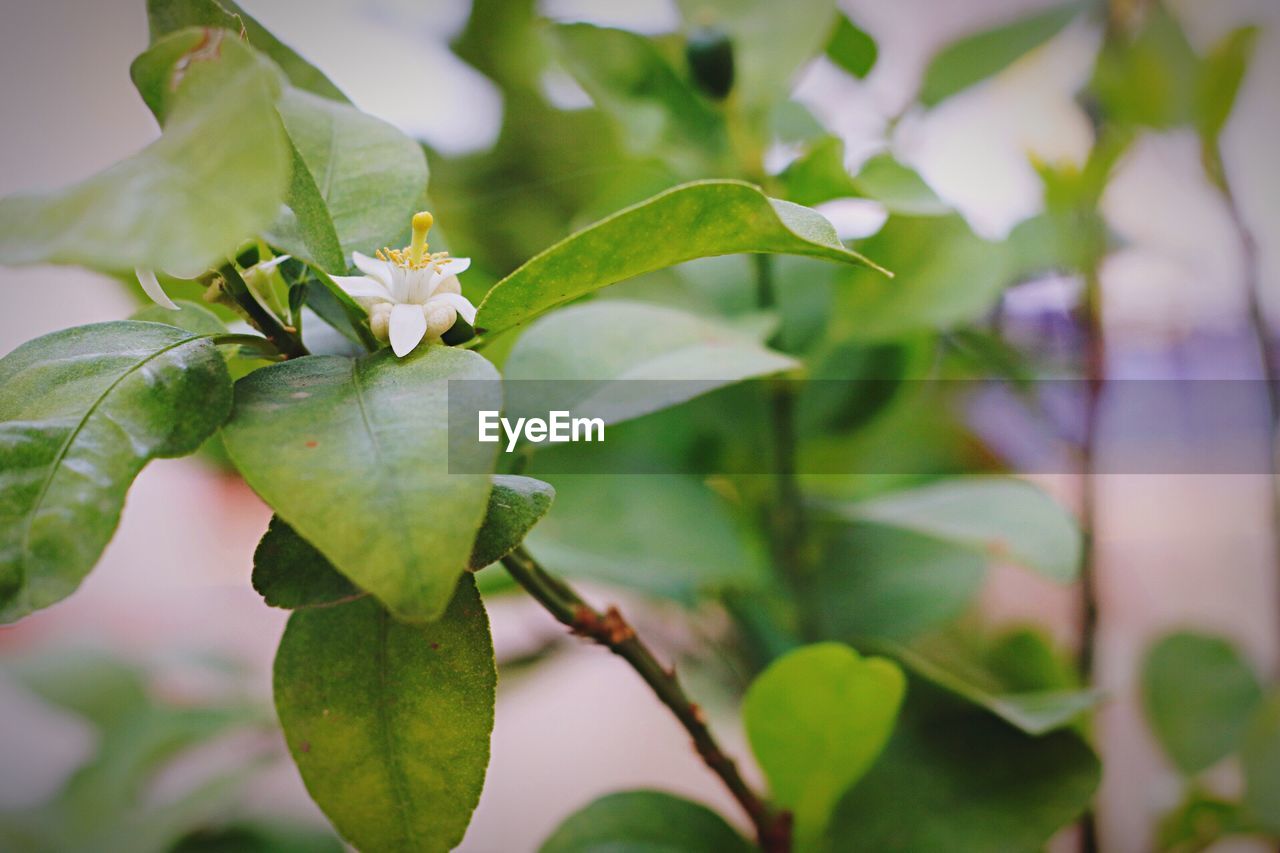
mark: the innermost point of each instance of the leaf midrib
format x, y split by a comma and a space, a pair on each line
399, 781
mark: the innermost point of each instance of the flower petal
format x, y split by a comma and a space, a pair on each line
455, 266
363, 287
151, 287
378, 270
407, 328
459, 302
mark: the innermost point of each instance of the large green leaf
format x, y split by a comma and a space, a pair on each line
975, 58
1002, 518
649, 543
1199, 695
354, 455
166, 16
388, 722
516, 504
644, 822
370, 176
304, 228
959, 279
81, 412
884, 582
958, 779
1260, 757
657, 112
216, 176
590, 344
817, 718
694, 220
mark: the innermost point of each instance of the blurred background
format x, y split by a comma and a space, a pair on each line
172, 593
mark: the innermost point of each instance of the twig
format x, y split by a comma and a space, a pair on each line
286, 340
611, 630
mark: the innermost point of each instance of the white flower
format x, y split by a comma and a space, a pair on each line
410, 295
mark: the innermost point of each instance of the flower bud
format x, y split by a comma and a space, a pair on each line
380, 321
440, 318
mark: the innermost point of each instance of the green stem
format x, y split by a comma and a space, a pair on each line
611, 630
286, 340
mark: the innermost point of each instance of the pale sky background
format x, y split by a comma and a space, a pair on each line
1175, 551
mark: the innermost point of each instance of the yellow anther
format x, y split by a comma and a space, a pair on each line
421, 225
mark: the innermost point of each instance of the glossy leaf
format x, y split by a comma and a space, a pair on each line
1199, 695
656, 110
289, 572
684, 356
648, 543
388, 722
81, 412
978, 57
816, 719
884, 582
167, 16
1260, 758
694, 220
1002, 518
216, 176
852, 48
644, 822
354, 455
370, 176
1221, 75
959, 779
516, 504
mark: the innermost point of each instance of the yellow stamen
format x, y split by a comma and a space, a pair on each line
421, 225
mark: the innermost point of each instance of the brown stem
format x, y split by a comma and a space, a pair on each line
611, 630
286, 340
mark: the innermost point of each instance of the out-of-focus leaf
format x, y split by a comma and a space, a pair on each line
289, 572
1199, 695
816, 719
656, 110
370, 176
1001, 518
975, 58
644, 821
599, 342
167, 16
1198, 823
956, 778
886, 582
258, 836
958, 280
820, 175
103, 690
354, 455
1151, 81
1221, 74
1260, 757
388, 722
694, 220
81, 412
516, 504
648, 544
216, 176
852, 48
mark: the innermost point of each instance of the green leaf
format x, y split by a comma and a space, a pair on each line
1260, 757
1035, 709
644, 822
852, 48
694, 220
305, 229
1221, 74
216, 176
103, 690
649, 543
81, 412
958, 280
960, 780
1001, 518
820, 175
656, 110
388, 722
258, 836
885, 582
1198, 695
167, 16
370, 176
975, 58
191, 316
289, 572
516, 504
1151, 81
354, 456
816, 719
592, 343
